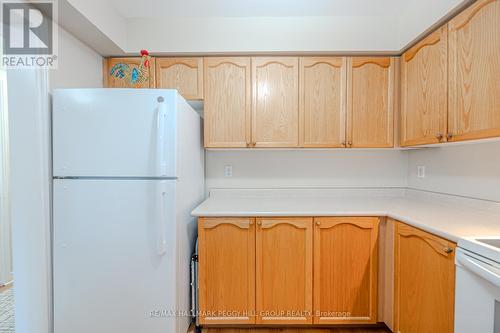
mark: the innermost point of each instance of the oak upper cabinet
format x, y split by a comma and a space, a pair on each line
370, 102
183, 74
284, 270
474, 72
227, 105
322, 98
117, 73
345, 270
226, 270
424, 282
275, 110
424, 90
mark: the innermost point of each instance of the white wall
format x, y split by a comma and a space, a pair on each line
263, 34
471, 170
79, 66
303, 168
162, 29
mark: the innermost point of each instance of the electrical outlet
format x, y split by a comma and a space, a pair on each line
228, 171
421, 171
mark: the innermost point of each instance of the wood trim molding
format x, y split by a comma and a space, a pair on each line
430, 40
383, 62
239, 222
468, 14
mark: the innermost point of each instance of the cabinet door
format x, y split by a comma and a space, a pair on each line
183, 74
275, 110
474, 72
322, 97
424, 282
226, 254
345, 270
227, 102
111, 81
370, 102
424, 91
284, 270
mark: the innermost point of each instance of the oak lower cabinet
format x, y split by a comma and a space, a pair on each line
474, 71
345, 270
126, 73
424, 90
424, 281
226, 270
370, 102
284, 270
183, 74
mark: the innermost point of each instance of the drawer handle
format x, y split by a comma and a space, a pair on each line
448, 250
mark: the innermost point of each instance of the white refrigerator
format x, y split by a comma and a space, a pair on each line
128, 170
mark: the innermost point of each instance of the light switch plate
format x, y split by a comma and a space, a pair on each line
228, 171
421, 171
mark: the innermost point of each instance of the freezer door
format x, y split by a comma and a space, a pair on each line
114, 256
114, 132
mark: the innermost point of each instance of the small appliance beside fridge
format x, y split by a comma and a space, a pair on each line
128, 170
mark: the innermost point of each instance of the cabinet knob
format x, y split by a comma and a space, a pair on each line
349, 143
449, 136
259, 223
251, 223
448, 250
318, 223
440, 136
344, 144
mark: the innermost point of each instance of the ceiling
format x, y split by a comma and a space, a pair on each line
258, 8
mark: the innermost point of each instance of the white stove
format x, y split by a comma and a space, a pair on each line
477, 297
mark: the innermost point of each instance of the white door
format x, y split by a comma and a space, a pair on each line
114, 256
114, 132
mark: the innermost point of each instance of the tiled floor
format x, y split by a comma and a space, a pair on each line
6, 310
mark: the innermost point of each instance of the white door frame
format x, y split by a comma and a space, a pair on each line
30, 198
5, 229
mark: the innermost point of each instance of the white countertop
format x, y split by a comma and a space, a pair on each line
450, 217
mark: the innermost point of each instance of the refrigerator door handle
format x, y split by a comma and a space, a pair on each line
162, 238
160, 138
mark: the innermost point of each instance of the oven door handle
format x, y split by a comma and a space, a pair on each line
479, 268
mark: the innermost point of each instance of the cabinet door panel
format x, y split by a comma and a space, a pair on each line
226, 270
424, 282
275, 102
424, 91
227, 102
284, 270
111, 81
474, 71
322, 98
183, 74
370, 98
345, 270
